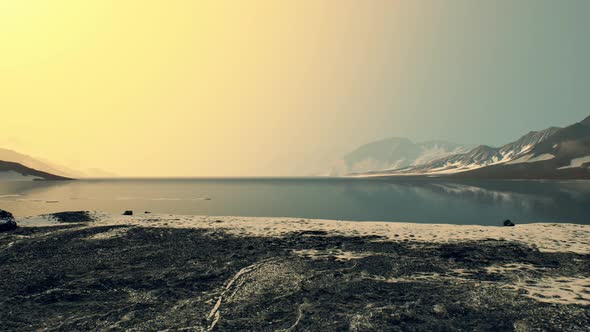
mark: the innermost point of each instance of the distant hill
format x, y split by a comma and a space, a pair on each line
49, 167
16, 172
553, 153
28, 161
394, 153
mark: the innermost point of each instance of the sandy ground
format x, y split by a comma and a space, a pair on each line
542, 236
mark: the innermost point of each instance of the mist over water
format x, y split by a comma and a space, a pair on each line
422, 201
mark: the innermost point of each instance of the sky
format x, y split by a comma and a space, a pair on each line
254, 87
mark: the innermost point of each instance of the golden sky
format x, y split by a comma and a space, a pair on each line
175, 87
201, 88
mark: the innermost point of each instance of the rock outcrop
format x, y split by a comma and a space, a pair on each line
7, 222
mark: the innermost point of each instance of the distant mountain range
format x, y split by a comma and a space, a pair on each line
394, 153
34, 163
10, 171
553, 153
12, 156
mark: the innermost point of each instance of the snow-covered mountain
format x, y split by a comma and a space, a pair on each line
563, 155
394, 153
553, 153
480, 156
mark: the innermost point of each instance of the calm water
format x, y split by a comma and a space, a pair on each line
424, 201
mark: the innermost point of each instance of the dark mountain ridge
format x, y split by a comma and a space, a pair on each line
7, 166
568, 153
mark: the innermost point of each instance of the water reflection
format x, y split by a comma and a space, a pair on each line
427, 201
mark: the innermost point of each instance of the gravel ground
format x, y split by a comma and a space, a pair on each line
80, 277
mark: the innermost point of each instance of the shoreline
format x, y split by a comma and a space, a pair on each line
548, 237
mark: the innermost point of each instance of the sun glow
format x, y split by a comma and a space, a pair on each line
112, 83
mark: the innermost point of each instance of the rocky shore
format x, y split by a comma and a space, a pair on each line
92, 271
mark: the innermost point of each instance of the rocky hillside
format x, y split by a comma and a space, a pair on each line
553, 153
482, 155
563, 155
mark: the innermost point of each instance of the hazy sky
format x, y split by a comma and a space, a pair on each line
202, 88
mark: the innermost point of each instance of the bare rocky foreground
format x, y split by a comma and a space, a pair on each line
91, 276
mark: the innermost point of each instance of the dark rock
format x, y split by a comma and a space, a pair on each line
72, 216
147, 212
7, 222
508, 223
6, 215
128, 213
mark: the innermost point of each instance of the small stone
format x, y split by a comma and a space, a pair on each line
128, 213
508, 223
439, 309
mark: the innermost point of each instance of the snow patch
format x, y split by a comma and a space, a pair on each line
522, 159
577, 162
543, 157
530, 159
